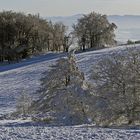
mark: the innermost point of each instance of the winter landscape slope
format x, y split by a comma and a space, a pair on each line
26, 76
22, 76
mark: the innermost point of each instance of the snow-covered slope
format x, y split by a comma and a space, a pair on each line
26, 76
30, 132
87, 60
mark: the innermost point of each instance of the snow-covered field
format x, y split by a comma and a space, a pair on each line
66, 133
26, 76
25, 130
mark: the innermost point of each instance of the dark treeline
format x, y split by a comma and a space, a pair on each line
24, 35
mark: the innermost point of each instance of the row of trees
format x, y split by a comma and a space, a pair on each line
112, 98
62, 94
24, 35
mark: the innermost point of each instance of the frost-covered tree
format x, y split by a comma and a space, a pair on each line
64, 94
94, 30
117, 79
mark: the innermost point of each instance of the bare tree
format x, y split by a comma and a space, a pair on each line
23, 104
117, 79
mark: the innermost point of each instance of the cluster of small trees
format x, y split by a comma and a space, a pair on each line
130, 42
94, 30
24, 35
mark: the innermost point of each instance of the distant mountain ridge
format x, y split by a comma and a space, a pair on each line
125, 21
128, 25
67, 20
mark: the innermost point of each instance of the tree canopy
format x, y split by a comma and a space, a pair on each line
24, 35
94, 30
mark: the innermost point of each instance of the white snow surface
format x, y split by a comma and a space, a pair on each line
26, 76
26, 130
65, 133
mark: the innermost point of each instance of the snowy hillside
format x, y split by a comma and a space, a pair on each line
22, 76
26, 76
87, 60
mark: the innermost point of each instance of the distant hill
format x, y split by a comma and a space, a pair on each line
128, 25
68, 20
126, 21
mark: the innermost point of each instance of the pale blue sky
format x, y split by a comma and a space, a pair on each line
71, 7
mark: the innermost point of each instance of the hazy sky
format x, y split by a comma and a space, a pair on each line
71, 7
